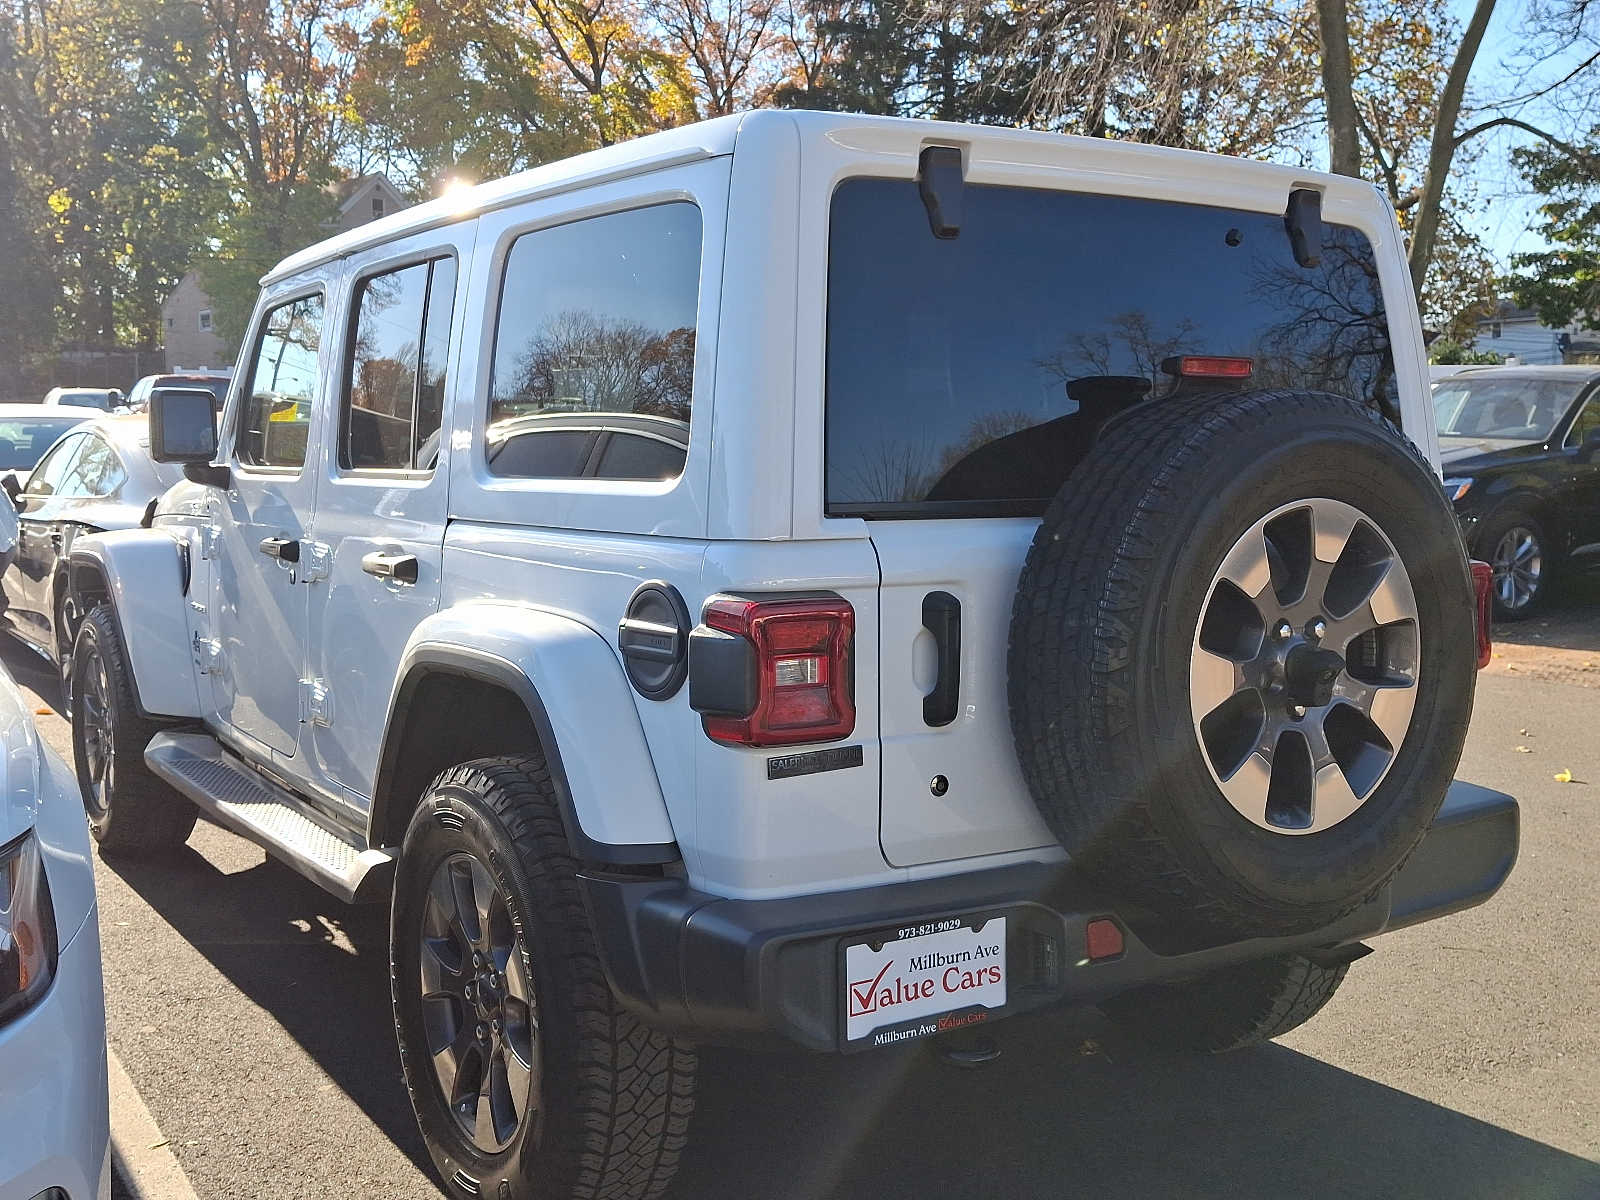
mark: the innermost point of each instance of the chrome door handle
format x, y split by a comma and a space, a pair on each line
398, 568
281, 548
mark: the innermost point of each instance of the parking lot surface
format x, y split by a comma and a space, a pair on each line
1460, 1060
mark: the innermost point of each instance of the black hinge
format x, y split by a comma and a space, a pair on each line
939, 180
1303, 220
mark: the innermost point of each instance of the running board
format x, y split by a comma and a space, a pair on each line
233, 795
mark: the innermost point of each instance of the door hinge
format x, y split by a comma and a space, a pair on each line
316, 702
209, 537
207, 653
315, 560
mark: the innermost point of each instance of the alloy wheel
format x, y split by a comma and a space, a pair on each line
479, 1015
1518, 564
1304, 667
98, 735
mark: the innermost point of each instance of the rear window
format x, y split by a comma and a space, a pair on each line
966, 377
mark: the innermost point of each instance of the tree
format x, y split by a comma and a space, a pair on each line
1562, 283
1344, 145
725, 44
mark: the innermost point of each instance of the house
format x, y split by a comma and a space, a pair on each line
186, 321
1516, 333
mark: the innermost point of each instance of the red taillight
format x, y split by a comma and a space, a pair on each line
1483, 591
802, 670
1208, 366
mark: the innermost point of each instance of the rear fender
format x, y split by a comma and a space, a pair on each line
144, 574
573, 686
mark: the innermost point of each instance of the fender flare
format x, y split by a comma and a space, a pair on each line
145, 574
571, 683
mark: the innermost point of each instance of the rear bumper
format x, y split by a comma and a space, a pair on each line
741, 970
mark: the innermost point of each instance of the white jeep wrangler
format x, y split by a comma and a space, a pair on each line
810, 577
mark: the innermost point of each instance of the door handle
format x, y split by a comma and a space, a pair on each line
281, 548
941, 614
399, 568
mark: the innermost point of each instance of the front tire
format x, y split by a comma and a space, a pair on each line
131, 811
1231, 1009
526, 1077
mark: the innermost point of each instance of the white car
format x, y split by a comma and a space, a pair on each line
812, 578
54, 1127
107, 400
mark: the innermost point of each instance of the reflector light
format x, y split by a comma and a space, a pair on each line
1204, 366
1483, 587
803, 675
1102, 939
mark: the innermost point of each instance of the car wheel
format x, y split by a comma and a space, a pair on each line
1241, 659
1229, 1009
131, 811
526, 1077
1514, 543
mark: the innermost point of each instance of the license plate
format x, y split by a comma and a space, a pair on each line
901, 987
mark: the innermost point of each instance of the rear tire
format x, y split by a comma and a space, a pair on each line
1231, 1009
131, 811
583, 1099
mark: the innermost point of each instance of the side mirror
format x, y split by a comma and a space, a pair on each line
12, 486
183, 429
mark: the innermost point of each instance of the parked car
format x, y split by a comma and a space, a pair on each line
54, 1126
27, 431
1521, 454
100, 476
105, 399
1044, 606
216, 382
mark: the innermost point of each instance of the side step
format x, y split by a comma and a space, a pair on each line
251, 805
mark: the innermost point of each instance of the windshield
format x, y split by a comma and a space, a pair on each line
1521, 410
85, 399
23, 440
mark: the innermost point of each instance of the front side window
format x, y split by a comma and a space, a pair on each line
597, 333
967, 377
395, 389
276, 415
1585, 423
46, 477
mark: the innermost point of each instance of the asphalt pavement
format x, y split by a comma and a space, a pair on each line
1460, 1060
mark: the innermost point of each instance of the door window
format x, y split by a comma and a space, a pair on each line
46, 477
276, 415
597, 317
394, 393
96, 471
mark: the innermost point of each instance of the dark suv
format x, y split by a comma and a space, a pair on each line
1521, 453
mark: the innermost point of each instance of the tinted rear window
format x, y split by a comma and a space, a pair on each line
966, 377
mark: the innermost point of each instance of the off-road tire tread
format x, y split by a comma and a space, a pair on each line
146, 816
1237, 1007
1118, 518
636, 1084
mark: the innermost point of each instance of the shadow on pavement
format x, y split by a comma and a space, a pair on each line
329, 991
1572, 619
1050, 1120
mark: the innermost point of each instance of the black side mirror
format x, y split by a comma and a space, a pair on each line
183, 429
12, 487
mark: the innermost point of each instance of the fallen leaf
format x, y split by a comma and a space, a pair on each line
1563, 776
1524, 750
1523, 732
44, 710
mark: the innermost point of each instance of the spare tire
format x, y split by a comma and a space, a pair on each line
1242, 659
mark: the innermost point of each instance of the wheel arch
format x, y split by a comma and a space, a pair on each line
143, 577
545, 682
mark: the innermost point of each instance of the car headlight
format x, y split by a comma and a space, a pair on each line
27, 927
1456, 488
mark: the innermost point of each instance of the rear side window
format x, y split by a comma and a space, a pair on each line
966, 377
395, 386
276, 414
596, 329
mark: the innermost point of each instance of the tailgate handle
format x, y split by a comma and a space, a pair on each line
941, 615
